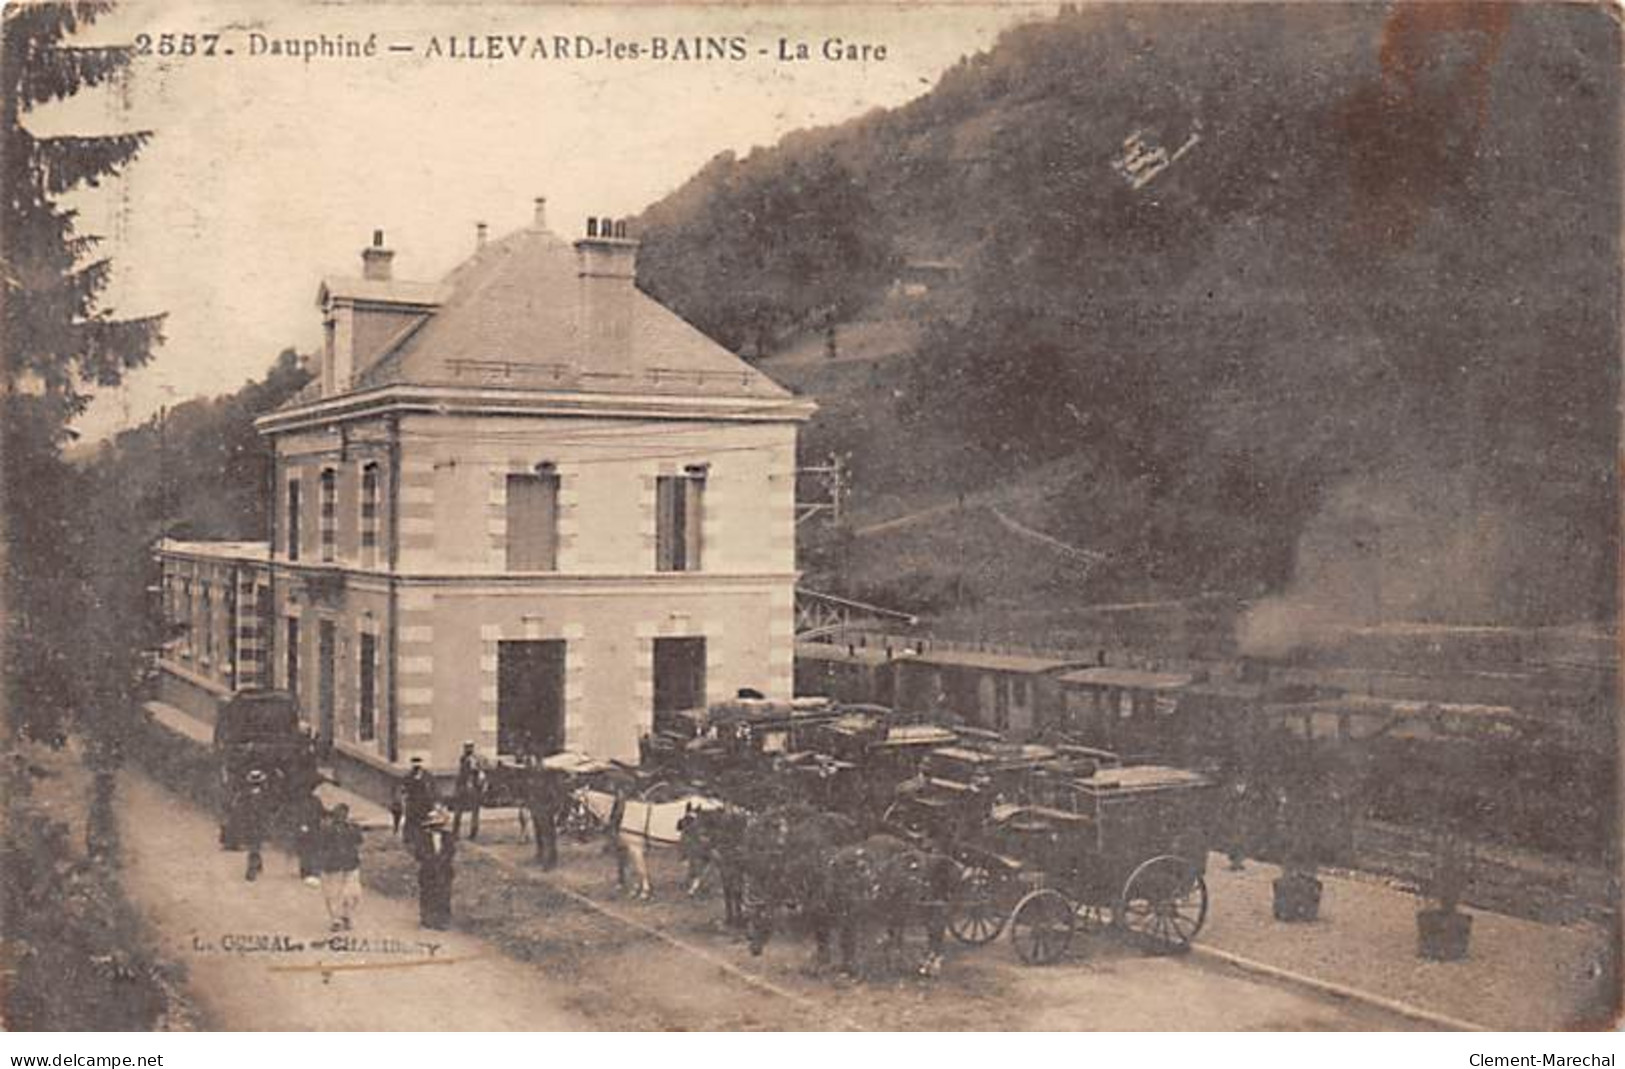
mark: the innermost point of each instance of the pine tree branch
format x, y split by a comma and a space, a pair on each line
67, 162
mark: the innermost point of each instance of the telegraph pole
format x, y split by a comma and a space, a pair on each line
831, 481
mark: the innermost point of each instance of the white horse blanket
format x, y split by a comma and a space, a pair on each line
644, 825
654, 823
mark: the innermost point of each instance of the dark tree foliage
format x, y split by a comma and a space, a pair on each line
198, 471
60, 344
767, 249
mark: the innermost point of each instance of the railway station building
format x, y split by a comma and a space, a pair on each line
526, 506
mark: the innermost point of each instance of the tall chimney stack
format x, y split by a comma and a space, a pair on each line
376, 260
606, 265
479, 235
540, 221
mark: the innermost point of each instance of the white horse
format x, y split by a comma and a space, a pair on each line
643, 825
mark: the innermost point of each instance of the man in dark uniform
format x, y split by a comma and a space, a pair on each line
417, 802
436, 849
468, 792
544, 790
1238, 816
308, 815
254, 816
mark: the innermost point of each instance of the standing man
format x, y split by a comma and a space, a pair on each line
417, 802
254, 803
309, 819
341, 868
543, 797
1238, 813
468, 791
436, 849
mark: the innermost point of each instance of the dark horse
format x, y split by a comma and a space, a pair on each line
819, 863
891, 882
782, 854
714, 839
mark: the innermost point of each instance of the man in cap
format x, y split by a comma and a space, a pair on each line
468, 792
417, 801
253, 808
341, 867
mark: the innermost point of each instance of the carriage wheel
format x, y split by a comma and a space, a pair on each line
1041, 926
975, 916
1164, 904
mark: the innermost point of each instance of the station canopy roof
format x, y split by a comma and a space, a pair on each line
1126, 678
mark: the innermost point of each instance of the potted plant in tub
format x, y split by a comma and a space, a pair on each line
1442, 930
1298, 888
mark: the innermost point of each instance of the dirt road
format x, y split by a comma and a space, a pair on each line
527, 955
256, 952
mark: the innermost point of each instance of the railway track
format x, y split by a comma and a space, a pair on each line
1519, 883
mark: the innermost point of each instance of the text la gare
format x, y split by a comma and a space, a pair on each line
832, 49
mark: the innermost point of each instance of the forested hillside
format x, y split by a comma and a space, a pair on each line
1302, 298
197, 471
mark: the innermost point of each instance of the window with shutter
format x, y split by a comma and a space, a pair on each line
679, 500
366, 720
293, 519
369, 515
329, 514
533, 522
292, 666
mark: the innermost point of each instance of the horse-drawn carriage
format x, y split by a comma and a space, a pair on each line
757, 754
957, 786
856, 762
728, 745
1120, 847
257, 739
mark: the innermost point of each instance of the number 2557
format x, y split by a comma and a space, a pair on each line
176, 44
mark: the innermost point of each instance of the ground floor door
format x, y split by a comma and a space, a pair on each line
679, 674
530, 697
326, 658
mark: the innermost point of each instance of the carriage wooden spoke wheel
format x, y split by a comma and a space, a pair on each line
978, 912
1041, 926
1164, 904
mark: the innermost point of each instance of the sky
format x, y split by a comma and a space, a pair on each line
267, 173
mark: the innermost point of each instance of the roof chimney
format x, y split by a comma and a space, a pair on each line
540, 222
479, 235
606, 265
376, 260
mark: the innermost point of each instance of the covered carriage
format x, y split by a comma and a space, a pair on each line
1124, 847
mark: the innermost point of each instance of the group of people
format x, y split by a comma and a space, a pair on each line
329, 848
431, 832
327, 843
431, 836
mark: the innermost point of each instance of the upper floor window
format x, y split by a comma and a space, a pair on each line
533, 521
293, 519
369, 514
329, 514
679, 504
